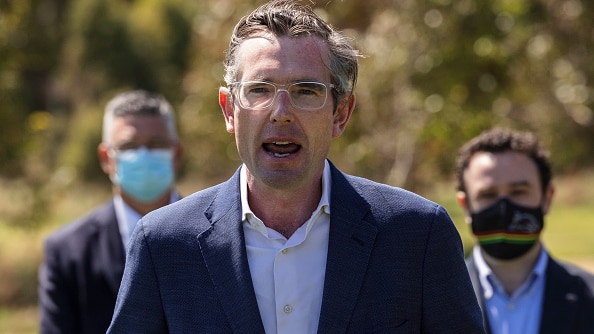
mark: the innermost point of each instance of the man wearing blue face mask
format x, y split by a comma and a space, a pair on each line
84, 260
504, 186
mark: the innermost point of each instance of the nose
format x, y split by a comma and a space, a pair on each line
281, 108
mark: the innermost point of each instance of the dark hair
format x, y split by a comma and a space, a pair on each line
288, 18
498, 140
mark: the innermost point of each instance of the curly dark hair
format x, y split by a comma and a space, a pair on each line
499, 140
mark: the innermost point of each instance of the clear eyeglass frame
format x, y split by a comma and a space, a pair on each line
261, 95
130, 148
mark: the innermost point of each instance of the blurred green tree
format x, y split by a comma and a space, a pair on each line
436, 73
31, 33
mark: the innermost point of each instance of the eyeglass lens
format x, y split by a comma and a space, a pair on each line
302, 95
131, 146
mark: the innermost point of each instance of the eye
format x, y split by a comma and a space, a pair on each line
159, 145
308, 88
518, 192
487, 195
127, 146
258, 88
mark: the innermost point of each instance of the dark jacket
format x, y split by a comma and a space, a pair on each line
81, 274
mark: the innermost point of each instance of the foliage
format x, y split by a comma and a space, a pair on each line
436, 73
439, 72
30, 39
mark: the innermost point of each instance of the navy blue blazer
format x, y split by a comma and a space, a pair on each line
81, 273
395, 265
568, 304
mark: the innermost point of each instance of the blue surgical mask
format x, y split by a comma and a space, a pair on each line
144, 174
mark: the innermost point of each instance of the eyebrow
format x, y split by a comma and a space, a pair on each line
521, 183
515, 184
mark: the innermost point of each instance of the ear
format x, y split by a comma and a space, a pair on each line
227, 107
343, 113
462, 201
104, 159
548, 199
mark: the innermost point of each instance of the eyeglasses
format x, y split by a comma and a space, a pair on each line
259, 95
131, 146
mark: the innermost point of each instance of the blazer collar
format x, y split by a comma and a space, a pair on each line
110, 253
478, 291
561, 299
224, 252
352, 235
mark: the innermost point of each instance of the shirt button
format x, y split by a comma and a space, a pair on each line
285, 251
511, 306
287, 309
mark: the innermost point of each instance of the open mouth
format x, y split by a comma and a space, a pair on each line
281, 149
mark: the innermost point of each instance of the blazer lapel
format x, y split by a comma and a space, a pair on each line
224, 252
350, 243
111, 255
560, 300
478, 291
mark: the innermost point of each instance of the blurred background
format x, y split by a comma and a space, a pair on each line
436, 73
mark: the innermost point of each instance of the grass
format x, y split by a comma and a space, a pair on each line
568, 236
19, 320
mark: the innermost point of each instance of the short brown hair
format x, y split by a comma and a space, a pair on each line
288, 18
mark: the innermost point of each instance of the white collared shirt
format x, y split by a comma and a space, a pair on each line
128, 217
288, 275
519, 312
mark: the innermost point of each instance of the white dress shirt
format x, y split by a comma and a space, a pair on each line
288, 275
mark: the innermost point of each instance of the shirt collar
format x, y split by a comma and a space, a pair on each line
485, 272
246, 211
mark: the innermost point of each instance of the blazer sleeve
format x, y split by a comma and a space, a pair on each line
56, 302
138, 308
449, 302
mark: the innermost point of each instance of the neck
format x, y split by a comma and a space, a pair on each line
284, 210
513, 273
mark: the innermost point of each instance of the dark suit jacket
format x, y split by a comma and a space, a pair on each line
395, 265
81, 274
568, 303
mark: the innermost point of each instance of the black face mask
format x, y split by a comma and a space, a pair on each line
506, 230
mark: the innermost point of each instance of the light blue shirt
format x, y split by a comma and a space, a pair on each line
519, 313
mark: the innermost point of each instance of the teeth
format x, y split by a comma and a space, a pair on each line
282, 142
279, 155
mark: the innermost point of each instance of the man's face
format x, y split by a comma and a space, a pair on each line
492, 176
283, 146
133, 132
